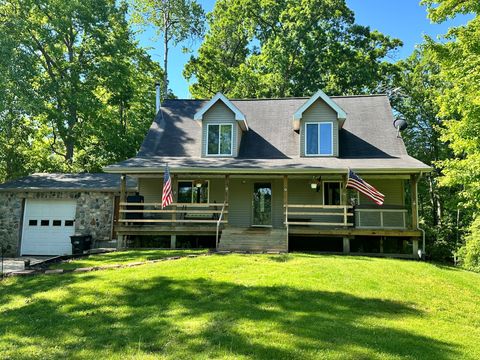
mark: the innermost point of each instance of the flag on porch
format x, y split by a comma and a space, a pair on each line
356, 182
167, 196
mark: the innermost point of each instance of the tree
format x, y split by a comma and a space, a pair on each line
415, 99
73, 69
459, 104
174, 20
288, 48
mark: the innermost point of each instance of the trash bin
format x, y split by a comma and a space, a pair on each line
80, 243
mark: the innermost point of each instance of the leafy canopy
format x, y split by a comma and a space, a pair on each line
259, 48
77, 90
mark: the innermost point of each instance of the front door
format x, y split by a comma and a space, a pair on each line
262, 204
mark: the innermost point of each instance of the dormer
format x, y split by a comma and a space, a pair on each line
222, 127
318, 121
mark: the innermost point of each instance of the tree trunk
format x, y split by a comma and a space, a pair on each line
165, 62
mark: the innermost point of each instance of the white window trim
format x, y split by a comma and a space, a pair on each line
193, 185
231, 140
318, 127
332, 181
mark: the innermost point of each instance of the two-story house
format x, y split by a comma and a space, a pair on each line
270, 175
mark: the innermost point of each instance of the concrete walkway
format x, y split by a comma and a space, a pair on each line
18, 264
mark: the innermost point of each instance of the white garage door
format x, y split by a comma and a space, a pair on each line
47, 227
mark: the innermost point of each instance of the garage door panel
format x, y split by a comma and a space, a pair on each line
48, 225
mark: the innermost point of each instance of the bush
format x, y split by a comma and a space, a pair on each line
469, 254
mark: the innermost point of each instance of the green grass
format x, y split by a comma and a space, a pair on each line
122, 257
246, 307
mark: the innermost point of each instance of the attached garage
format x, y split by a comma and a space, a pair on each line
47, 227
39, 213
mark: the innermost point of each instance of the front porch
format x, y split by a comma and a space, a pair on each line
288, 202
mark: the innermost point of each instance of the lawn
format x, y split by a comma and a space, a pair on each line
122, 258
246, 307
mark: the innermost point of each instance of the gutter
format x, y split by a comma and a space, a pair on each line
255, 171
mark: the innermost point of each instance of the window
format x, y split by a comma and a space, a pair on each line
44, 222
32, 222
331, 193
69, 222
193, 192
319, 138
57, 223
219, 139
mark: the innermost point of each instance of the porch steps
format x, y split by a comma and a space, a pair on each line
253, 239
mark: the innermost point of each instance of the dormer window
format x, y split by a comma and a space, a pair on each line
318, 138
219, 139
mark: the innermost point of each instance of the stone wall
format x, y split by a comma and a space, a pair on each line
94, 214
10, 219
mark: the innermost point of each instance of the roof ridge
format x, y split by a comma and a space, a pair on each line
283, 98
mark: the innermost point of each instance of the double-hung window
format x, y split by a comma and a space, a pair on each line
219, 139
319, 138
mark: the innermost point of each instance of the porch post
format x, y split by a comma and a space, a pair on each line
285, 204
121, 215
346, 245
414, 199
344, 193
226, 200
173, 236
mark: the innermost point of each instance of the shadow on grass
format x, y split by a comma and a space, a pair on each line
122, 257
155, 316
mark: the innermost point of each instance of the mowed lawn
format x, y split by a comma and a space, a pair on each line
123, 258
246, 307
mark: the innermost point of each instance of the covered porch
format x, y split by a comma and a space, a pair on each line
315, 206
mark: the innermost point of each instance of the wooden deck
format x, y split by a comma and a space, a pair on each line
318, 231
165, 230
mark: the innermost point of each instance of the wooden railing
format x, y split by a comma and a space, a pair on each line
318, 215
219, 222
381, 218
178, 213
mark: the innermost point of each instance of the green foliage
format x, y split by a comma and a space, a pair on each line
415, 99
469, 254
78, 91
459, 107
288, 48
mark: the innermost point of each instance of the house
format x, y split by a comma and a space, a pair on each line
39, 213
270, 175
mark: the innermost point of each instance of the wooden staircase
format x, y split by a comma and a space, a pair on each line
253, 239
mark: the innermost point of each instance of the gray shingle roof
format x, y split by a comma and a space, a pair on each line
367, 139
67, 182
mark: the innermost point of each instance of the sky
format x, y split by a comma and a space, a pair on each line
402, 19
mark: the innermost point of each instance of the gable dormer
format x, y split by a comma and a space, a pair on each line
318, 121
222, 127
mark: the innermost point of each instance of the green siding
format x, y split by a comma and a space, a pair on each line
393, 189
220, 114
241, 196
319, 112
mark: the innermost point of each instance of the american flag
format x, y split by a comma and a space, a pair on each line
167, 196
356, 182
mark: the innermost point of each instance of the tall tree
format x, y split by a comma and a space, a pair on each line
415, 99
257, 48
175, 21
77, 59
459, 104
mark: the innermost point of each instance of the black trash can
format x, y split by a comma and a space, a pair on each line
81, 243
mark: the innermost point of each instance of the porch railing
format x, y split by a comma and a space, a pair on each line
176, 213
318, 215
381, 218
219, 222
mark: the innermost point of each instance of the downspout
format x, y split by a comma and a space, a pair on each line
422, 255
